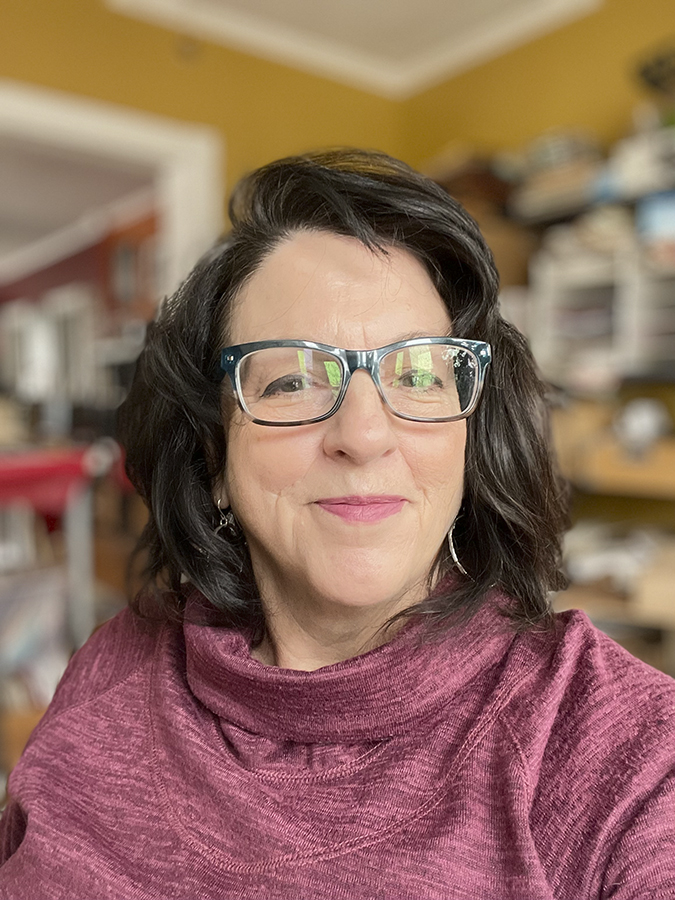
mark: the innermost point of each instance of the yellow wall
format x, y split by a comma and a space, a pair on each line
579, 75
263, 110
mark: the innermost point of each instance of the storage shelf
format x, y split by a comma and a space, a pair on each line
605, 606
605, 468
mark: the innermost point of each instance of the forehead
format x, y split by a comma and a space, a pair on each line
329, 288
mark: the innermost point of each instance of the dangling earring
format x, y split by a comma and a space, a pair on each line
228, 524
453, 553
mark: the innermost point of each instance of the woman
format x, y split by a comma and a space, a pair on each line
344, 679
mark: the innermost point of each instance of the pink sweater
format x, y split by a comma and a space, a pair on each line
483, 767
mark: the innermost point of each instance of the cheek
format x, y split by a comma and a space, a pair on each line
437, 460
263, 463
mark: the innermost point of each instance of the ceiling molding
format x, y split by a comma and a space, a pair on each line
501, 34
275, 41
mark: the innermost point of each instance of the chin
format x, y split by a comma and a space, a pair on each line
367, 590
374, 569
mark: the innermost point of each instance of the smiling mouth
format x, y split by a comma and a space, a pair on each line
362, 509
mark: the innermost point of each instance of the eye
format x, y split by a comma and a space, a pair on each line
288, 384
420, 381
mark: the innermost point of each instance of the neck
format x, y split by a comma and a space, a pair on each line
307, 639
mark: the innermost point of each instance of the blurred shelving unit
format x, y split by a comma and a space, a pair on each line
593, 459
598, 316
599, 311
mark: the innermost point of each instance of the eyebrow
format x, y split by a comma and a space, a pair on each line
409, 335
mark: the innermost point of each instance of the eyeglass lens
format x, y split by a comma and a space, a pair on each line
290, 384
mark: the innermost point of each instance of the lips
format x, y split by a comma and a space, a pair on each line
363, 509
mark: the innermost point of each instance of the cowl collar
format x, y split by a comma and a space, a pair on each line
376, 695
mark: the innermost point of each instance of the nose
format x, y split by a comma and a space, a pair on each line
363, 428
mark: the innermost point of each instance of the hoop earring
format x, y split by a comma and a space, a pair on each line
453, 553
228, 524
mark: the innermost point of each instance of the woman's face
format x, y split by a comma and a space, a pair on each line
322, 287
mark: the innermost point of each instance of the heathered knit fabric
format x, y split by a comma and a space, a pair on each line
485, 766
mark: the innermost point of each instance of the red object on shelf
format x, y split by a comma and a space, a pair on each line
58, 482
45, 478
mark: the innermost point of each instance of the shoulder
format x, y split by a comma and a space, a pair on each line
70, 735
590, 717
113, 652
594, 730
598, 677
577, 681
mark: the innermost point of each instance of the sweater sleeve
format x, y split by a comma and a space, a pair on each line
642, 864
113, 652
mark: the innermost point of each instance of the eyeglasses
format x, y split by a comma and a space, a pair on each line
428, 379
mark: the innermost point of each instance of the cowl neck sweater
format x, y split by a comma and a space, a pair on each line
377, 695
171, 763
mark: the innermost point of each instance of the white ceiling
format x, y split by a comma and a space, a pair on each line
51, 200
391, 47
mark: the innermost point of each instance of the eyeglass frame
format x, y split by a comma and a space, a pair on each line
353, 360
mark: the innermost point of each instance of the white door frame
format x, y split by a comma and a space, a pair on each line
187, 160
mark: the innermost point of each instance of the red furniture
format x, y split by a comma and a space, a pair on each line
57, 482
